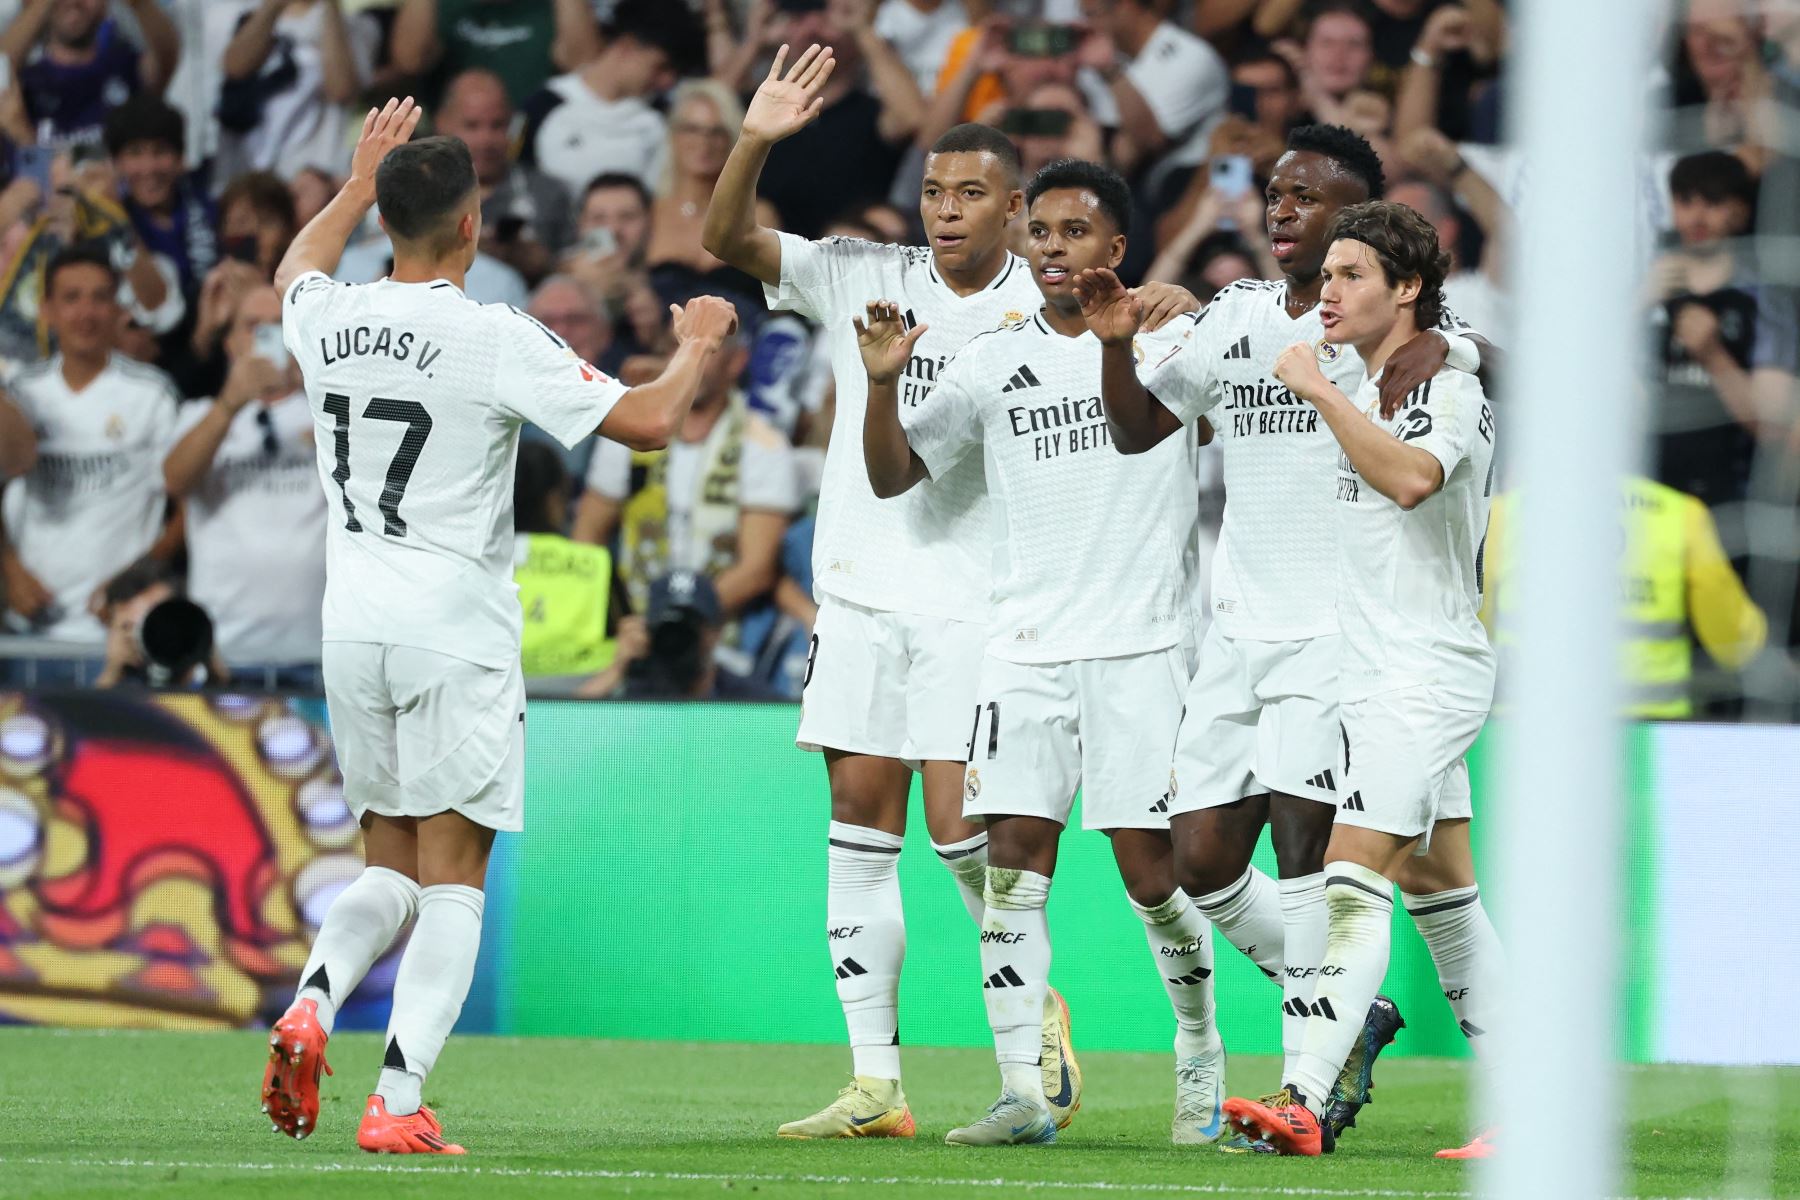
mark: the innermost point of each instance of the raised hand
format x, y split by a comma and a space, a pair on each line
885, 342
704, 317
786, 104
1111, 310
383, 129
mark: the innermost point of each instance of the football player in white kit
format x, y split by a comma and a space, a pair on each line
1260, 738
1417, 677
902, 585
417, 395
1087, 646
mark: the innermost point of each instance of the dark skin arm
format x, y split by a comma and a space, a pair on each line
1423, 357
886, 345
1137, 420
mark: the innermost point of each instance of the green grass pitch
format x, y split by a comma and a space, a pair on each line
165, 1114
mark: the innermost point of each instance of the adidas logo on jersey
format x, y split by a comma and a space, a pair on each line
1323, 780
1021, 379
1239, 348
1354, 803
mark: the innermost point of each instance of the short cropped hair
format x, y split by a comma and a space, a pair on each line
421, 185
144, 118
81, 254
1108, 186
971, 137
1712, 175
617, 179
1347, 148
1406, 246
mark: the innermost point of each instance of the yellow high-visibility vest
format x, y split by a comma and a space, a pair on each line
565, 588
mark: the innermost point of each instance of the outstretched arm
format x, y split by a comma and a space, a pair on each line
648, 416
319, 246
886, 346
782, 107
1137, 420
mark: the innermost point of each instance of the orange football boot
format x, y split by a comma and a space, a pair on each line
1282, 1120
290, 1091
417, 1133
1481, 1147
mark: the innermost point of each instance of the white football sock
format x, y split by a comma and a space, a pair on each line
866, 931
1248, 913
1359, 906
1303, 946
967, 861
358, 928
429, 990
1015, 960
1471, 963
1181, 942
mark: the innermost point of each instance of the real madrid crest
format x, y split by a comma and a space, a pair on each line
1329, 351
972, 785
1137, 351
115, 427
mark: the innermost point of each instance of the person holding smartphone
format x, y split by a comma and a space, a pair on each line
243, 460
1165, 84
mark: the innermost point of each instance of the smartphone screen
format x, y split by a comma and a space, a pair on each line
1232, 176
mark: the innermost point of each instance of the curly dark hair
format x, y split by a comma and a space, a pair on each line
1347, 148
1107, 185
1406, 246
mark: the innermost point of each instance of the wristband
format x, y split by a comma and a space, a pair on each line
1424, 58
1464, 355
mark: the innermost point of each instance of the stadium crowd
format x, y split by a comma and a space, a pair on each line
157, 156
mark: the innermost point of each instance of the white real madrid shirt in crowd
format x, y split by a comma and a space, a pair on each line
580, 135
1409, 582
417, 394
256, 534
94, 502
1272, 569
921, 34
927, 551
766, 480
1185, 83
1091, 548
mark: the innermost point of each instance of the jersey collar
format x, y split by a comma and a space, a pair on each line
1013, 263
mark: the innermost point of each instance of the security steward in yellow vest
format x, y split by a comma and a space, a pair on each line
1675, 578
565, 587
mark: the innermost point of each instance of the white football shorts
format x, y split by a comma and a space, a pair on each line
1403, 765
420, 733
894, 684
1261, 717
1103, 725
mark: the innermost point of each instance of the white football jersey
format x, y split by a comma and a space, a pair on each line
924, 552
1409, 583
1272, 570
94, 502
417, 394
1091, 548
264, 593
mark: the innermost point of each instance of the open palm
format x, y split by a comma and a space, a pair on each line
884, 341
787, 103
1112, 311
382, 130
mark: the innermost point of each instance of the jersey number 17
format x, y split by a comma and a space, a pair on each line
410, 413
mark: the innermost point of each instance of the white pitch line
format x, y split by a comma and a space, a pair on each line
447, 1169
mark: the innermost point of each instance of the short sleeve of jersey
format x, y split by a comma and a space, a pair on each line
539, 379
1444, 416
766, 480
947, 424
609, 471
1175, 364
817, 277
306, 297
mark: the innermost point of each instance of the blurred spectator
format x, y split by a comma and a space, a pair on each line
993, 66
1722, 87
312, 189
524, 215
93, 503
1727, 341
201, 370
613, 232
1677, 586
718, 500
570, 311
155, 636
1474, 293
169, 207
1334, 58
256, 221
1214, 260
1052, 121
1455, 46
598, 118
519, 40
889, 223
488, 281
291, 70
246, 465
920, 31
679, 659
1164, 85
565, 587
73, 63
18, 441
1271, 101
79, 210
872, 110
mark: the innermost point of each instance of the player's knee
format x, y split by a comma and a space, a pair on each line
1358, 901
1203, 869
1015, 889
